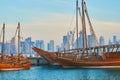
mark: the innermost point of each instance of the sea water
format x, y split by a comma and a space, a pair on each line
59, 73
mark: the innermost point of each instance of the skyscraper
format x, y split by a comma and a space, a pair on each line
90, 40
42, 44
50, 46
13, 49
80, 40
7, 48
65, 42
22, 47
39, 44
28, 45
115, 39
109, 43
101, 40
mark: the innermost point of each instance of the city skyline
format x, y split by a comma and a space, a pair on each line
50, 20
27, 44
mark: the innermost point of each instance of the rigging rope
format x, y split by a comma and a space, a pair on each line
95, 41
72, 20
1, 34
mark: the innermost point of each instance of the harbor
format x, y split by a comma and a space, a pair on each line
87, 56
59, 40
38, 61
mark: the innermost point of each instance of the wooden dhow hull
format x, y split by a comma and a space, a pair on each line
112, 61
50, 57
11, 67
11, 63
108, 63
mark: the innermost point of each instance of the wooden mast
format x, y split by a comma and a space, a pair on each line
84, 34
83, 24
3, 40
77, 23
18, 37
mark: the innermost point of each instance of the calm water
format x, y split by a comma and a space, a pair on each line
58, 73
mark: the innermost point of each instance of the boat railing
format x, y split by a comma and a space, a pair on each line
96, 49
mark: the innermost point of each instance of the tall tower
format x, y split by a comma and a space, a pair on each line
115, 39
101, 40
90, 40
50, 46
13, 49
80, 40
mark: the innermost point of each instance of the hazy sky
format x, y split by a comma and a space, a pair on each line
51, 19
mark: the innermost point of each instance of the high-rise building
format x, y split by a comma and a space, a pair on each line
62, 47
28, 45
39, 44
13, 48
50, 46
22, 47
90, 40
32, 45
7, 48
115, 39
101, 40
65, 42
42, 44
80, 40
110, 42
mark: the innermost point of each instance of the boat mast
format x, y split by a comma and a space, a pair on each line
3, 39
77, 22
18, 37
85, 43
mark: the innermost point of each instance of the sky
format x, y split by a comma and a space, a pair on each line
52, 19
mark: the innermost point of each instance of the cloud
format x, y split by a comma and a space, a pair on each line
107, 29
54, 26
